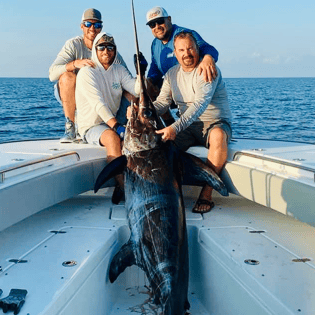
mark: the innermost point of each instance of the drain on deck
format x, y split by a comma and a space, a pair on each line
252, 262
69, 263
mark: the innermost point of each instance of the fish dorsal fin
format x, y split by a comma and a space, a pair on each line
112, 169
198, 173
123, 259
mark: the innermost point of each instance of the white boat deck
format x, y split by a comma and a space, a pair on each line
40, 200
220, 242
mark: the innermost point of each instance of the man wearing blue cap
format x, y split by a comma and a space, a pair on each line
162, 55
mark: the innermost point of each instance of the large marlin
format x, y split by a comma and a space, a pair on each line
154, 172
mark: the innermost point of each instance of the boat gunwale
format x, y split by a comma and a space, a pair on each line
274, 160
33, 162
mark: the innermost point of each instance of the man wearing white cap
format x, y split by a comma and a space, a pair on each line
162, 55
74, 55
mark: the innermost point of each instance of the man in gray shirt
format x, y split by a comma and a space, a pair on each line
205, 117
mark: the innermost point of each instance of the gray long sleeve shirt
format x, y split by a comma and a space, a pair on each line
73, 49
195, 98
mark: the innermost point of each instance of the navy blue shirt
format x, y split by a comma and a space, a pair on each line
163, 57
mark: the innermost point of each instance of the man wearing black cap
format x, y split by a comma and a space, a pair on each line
98, 95
75, 54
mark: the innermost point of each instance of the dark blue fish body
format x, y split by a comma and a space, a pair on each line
156, 218
154, 172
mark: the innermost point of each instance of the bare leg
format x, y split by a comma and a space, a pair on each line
111, 141
217, 155
67, 94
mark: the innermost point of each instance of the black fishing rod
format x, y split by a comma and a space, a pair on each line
136, 38
144, 95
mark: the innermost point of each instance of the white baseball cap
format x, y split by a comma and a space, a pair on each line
156, 13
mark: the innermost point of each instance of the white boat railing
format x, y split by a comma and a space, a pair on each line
6, 169
237, 156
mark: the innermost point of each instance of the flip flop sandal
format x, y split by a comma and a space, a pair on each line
202, 202
118, 195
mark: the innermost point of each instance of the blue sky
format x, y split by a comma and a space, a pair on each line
270, 38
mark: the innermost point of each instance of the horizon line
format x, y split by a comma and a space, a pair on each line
275, 77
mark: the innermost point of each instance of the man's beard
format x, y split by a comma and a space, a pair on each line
166, 36
188, 60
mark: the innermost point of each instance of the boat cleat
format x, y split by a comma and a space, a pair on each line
14, 301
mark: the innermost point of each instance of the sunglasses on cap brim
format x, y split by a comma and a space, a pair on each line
96, 24
158, 21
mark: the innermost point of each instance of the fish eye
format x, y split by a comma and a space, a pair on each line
147, 113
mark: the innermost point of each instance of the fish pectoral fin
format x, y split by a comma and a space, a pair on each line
123, 259
112, 169
198, 173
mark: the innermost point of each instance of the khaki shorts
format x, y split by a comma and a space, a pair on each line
198, 134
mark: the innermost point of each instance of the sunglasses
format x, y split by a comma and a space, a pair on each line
158, 21
103, 47
96, 25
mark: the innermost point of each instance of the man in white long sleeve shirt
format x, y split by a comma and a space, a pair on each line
98, 95
75, 55
205, 116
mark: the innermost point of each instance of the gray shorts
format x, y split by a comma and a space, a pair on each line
93, 135
198, 134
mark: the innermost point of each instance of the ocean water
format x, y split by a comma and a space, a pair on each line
271, 108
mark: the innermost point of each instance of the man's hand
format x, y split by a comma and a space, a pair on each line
167, 133
208, 68
80, 63
143, 63
128, 113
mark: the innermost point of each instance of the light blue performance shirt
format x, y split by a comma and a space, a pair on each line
163, 57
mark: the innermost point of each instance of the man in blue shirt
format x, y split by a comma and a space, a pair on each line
162, 49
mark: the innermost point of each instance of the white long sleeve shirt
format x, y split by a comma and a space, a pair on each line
98, 92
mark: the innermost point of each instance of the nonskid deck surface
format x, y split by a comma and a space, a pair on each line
223, 233
137, 300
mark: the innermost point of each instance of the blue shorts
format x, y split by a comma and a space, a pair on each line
56, 92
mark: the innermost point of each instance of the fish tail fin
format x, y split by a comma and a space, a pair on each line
112, 169
123, 259
198, 173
